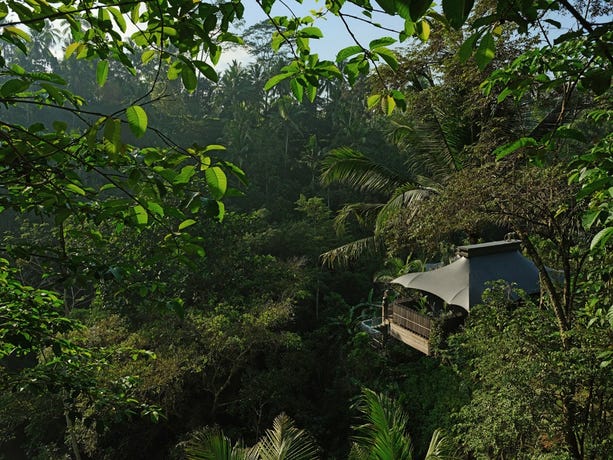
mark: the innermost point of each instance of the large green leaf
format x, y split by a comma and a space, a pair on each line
137, 120
348, 52
217, 181
189, 79
102, 72
511, 147
485, 51
457, 11
140, 214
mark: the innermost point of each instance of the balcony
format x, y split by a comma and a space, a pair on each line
410, 327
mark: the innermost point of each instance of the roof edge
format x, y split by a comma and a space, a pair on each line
493, 247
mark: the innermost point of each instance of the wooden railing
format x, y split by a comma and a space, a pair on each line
411, 320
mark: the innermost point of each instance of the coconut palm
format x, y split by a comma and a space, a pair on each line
383, 434
434, 151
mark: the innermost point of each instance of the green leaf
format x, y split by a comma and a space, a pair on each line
206, 70
155, 208
373, 101
112, 132
457, 11
485, 51
71, 49
390, 105
297, 89
147, 56
140, 214
347, 52
466, 49
423, 30
590, 217
75, 189
217, 182
54, 94
14, 86
186, 223
310, 32
417, 8
189, 79
102, 72
602, 237
119, 19
388, 56
187, 172
383, 41
276, 79
511, 147
137, 120
17, 31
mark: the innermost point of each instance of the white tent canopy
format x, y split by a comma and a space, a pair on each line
462, 282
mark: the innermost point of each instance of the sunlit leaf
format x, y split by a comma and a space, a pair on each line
155, 208
348, 52
186, 223
422, 30
102, 72
511, 147
19, 32
383, 41
297, 89
71, 49
140, 214
137, 120
75, 189
310, 32
388, 56
276, 79
602, 238
147, 56
373, 101
217, 181
119, 19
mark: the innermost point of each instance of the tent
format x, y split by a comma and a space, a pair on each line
463, 281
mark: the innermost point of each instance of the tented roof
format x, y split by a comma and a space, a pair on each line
462, 282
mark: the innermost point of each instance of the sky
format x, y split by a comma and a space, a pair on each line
336, 36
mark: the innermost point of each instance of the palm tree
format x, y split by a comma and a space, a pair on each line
212, 444
286, 442
384, 436
434, 151
281, 442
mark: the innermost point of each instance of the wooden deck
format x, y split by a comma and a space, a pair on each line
410, 327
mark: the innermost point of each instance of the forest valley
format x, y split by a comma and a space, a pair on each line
187, 252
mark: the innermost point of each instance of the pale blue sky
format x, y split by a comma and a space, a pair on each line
335, 33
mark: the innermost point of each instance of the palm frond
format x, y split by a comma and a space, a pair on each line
286, 442
404, 198
212, 444
439, 448
384, 433
356, 170
364, 213
350, 252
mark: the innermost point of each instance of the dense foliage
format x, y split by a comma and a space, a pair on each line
162, 292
